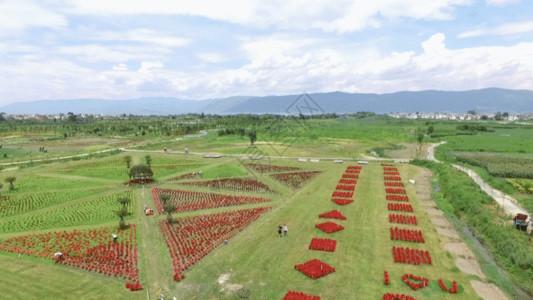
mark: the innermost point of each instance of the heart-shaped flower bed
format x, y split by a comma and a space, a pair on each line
415, 282
315, 268
329, 227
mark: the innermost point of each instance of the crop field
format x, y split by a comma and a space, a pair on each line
353, 231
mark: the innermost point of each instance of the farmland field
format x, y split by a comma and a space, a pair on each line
372, 231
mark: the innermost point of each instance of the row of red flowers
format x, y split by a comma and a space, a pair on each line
351, 171
342, 194
354, 176
415, 286
348, 181
395, 191
88, 249
391, 296
387, 278
394, 183
192, 238
292, 295
406, 235
345, 187
334, 214
393, 178
341, 201
354, 168
323, 244
191, 200
390, 169
400, 207
397, 198
403, 219
391, 173
235, 184
411, 256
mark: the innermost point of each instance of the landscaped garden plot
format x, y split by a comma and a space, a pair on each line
264, 168
108, 168
88, 249
15, 203
87, 212
234, 184
36, 183
192, 238
498, 164
191, 200
295, 179
165, 170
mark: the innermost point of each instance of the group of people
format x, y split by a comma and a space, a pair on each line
283, 230
148, 211
199, 173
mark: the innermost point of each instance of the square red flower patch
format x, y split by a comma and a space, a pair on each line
329, 227
315, 268
323, 244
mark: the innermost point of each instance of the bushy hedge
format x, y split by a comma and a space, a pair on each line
511, 248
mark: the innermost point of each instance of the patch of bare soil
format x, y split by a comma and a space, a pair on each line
227, 287
442, 222
460, 249
488, 291
434, 212
469, 266
448, 233
410, 151
428, 203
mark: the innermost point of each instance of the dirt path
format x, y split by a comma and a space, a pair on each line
508, 203
464, 258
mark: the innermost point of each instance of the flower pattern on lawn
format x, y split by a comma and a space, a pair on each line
329, 227
315, 268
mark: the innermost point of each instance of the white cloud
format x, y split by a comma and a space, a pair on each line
501, 2
16, 16
505, 29
141, 35
212, 57
120, 67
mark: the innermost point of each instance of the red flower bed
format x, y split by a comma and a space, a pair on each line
400, 207
390, 296
341, 201
329, 227
190, 200
235, 184
139, 181
315, 268
264, 168
345, 175
134, 286
423, 281
351, 171
403, 219
393, 178
334, 214
397, 198
354, 167
292, 295
348, 181
345, 187
454, 289
406, 235
192, 238
394, 183
386, 279
323, 244
411, 256
390, 169
342, 194
295, 179
395, 191
391, 173
88, 249
386, 165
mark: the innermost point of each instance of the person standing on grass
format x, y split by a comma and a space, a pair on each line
279, 230
115, 237
285, 230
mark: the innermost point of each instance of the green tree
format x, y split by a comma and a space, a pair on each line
472, 112
419, 139
148, 159
141, 172
164, 198
123, 211
1, 186
498, 116
169, 209
253, 137
10, 180
430, 129
127, 159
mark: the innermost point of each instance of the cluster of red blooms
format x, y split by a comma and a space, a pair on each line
315, 268
394, 183
454, 289
387, 279
397, 198
235, 184
329, 227
345, 187
403, 219
390, 168
411, 256
391, 173
292, 295
400, 207
342, 194
191, 200
134, 286
341, 201
391, 296
415, 286
348, 181
393, 178
395, 191
323, 244
406, 235
334, 214
354, 176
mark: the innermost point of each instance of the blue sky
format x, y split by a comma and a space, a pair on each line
115, 49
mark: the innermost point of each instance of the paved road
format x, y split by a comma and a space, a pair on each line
508, 203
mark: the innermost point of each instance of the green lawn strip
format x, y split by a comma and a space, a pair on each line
22, 279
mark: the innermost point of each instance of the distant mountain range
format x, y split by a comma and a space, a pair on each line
489, 100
